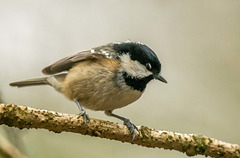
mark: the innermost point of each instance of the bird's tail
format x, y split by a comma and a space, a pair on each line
30, 82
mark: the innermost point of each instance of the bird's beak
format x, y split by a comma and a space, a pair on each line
160, 78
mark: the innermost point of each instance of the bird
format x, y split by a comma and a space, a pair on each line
103, 78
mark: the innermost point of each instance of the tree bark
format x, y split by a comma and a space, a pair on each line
191, 144
8, 150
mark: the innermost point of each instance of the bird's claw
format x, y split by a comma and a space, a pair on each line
85, 116
131, 127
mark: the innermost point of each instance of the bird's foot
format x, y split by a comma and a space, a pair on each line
131, 127
82, 112
85, 116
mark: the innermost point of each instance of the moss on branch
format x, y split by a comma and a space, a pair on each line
191, 144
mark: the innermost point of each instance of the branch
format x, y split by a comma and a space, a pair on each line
191, 144
8, 150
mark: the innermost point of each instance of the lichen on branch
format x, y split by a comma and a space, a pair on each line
191, 144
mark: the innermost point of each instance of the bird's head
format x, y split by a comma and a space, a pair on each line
139, 64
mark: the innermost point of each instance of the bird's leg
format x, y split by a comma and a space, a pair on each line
126, 122
82, 112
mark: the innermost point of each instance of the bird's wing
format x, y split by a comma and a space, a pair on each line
66, 63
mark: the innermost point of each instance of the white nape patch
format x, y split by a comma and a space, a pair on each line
106, 54
137, 42
92, 50
133, 67
128, 41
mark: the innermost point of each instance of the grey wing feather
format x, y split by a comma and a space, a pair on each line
66, 63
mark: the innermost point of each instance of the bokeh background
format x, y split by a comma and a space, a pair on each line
197, 42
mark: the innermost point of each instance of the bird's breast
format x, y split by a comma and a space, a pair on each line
96, 85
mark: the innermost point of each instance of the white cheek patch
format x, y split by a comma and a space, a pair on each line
133, 67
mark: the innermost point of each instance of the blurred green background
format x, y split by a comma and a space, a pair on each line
197, 42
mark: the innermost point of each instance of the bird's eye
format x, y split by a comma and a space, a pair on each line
149, 66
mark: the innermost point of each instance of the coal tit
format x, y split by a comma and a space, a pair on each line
103, 78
